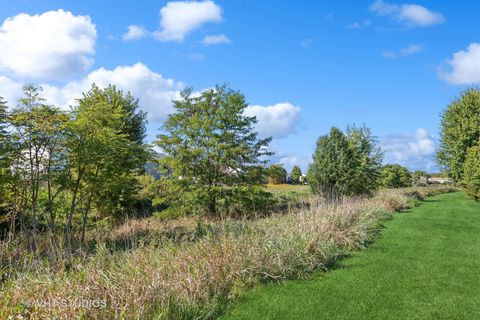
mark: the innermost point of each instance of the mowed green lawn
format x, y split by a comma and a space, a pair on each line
425, 265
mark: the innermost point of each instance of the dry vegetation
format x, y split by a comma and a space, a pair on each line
191, 269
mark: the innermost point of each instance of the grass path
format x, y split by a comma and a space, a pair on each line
426, 265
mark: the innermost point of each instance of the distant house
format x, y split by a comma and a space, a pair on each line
439, 180
303, 178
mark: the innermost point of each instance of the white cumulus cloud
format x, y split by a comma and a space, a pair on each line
290, 160
47, 46
10, 90
134, 32
411, 15
413, 150
463, 67
277, 121
180, 18
153, 90
216, 39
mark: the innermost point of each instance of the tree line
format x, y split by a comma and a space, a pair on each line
61, 172
60, 167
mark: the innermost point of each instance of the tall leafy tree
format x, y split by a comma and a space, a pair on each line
212, 150
106, 152
4, 139
367, 159
295, 175
460, 130
5, 161
277, 174
395, 176
345, 164
38, 129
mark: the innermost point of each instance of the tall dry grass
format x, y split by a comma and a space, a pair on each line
196, 278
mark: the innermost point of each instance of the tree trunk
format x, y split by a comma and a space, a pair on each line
68, 226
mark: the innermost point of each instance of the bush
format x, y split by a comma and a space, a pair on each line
395, 176
345, 164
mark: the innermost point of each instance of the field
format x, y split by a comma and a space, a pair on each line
195, 268
425, 266
283, 189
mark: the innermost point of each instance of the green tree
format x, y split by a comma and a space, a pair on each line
395, 176
5, 147
106, 153
345, 164
5, 161
211, 148
471, 180
276, 174
295, 175
460, 130
366, 159
39, 156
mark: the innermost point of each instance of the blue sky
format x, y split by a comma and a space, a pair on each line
303, 66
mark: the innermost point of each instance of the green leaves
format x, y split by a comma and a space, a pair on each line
295, 175
460, 130
395, 176
106, 147
460, 140
471, 180
345, 163
276, 174
211, 147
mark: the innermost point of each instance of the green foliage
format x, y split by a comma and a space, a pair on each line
295, 175
5, 145
395, 176
276, 174
460, 131
345, 164
39, 142
5, 160
106, 149
211, 150
471, 180
367, 159
420, 178
57, 168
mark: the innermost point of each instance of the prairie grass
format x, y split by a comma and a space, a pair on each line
191, 269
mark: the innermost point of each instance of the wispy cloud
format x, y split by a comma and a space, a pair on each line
196, 56
134, 32
359, 25
411, 49
216, 39
410, 15
306, 43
